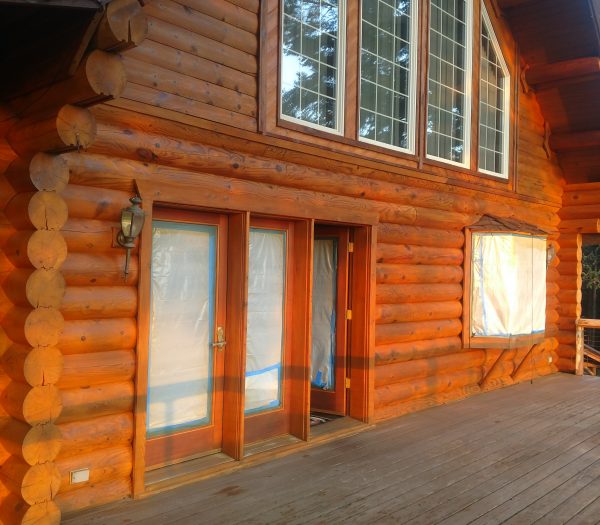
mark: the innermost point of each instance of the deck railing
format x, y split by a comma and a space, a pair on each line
583, 350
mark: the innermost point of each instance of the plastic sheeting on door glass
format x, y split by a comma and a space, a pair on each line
182, 325
264, 339
322, 374
508, 284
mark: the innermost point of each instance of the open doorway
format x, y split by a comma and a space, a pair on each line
590, 301
331, 315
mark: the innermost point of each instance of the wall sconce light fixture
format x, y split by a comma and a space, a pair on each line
132, 222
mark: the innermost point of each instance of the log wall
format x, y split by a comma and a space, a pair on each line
188, 114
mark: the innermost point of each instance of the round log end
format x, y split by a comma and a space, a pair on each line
40, 483
45, 288
76, 126
42, 444
106, 73
47, 249
49, 172
43, 366
43, 327
46, 513
42, 404
47, 211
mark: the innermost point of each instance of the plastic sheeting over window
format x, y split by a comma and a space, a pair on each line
323, 314
182, 325
264, 341
508, 285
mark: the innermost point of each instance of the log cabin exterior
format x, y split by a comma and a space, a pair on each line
179, 102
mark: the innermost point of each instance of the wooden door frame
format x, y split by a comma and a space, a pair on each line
239, 199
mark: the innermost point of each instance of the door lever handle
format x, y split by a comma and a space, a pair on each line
220, 343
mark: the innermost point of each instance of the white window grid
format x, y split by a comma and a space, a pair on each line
442, 15
409, 96
494, 101
340, 5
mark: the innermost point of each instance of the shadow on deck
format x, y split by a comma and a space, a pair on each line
518, 455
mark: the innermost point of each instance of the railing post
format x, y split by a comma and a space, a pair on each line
579, 350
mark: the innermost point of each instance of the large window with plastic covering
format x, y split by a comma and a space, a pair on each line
494, 103
388, 72
449, 93
506, 304
311, 67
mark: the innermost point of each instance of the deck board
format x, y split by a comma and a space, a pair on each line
525, 454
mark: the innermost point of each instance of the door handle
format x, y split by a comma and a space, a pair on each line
220, 343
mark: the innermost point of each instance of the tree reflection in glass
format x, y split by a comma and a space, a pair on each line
309, 61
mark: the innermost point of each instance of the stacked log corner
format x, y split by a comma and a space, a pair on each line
32, 287
579, 215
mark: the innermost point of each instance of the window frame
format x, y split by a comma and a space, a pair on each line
341, 79
477, 341
469, 82
485, 19
412, 117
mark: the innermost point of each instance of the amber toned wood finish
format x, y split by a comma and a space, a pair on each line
184, 132
334, 401
180, 445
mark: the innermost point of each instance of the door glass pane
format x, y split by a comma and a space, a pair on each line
323, 314
182, 326
264, 340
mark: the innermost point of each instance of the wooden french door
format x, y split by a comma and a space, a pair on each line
267, 397
329, 320
187, 323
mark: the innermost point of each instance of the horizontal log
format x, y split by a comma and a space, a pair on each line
587, 196
33, 405
422, 387
570, 267
99, 335
569, 254
580, 225
400, 352
417, 293
569, 310
591, 211
566, 365
99, 77
86, 202
161, 29
106, 492
569, 240
70, 128
99, 400
13, 510
124, 25
99, 302
83, 370
432, 366
227, 12
80, 437
83, 269
34, 366
90, 236
193, 66
104, 464
566, 350
566, 337
419, 236
403, 313
163, 79
35, 484
408, 254
201, 24
194, 156
37, 444
569, 282
565, 70
406, 273
418, 331
403, 407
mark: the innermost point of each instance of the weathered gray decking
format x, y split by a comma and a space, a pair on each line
525, 454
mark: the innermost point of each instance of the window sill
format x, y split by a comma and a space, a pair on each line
516, 341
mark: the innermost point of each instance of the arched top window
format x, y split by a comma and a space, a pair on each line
494, 103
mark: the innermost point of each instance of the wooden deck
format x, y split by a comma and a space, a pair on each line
520, 455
